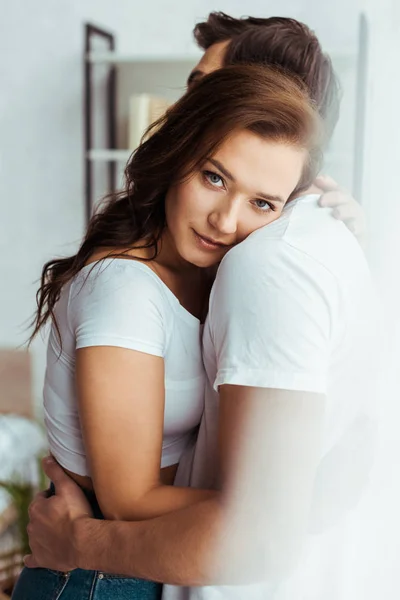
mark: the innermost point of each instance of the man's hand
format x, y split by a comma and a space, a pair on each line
345, 207
52, 521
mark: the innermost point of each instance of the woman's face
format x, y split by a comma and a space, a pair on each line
239, 189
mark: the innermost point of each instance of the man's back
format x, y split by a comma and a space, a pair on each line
290, 309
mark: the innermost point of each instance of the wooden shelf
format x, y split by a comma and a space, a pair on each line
96, 57
104, 155
118, 58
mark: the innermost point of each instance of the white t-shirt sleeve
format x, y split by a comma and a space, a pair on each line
271, 311
120, 305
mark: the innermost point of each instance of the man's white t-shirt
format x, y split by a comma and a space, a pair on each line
291, 308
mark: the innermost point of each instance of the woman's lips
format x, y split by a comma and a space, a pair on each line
208, 243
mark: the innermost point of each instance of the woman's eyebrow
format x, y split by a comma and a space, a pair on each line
229, 175
223, 170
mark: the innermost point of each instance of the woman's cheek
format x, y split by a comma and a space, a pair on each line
199, 199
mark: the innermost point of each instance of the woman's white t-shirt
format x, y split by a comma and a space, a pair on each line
120, 302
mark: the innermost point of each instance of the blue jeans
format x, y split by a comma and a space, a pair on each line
46, 584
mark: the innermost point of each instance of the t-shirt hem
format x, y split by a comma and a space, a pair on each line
171, 459
76, 465
301, 382
119, 342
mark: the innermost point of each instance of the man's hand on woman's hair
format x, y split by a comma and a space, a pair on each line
52, 522
345, 207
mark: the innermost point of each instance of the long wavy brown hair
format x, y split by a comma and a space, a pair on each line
259, 99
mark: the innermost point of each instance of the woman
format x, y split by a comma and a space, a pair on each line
124, 382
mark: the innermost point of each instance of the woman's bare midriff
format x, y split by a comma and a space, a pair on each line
167, 476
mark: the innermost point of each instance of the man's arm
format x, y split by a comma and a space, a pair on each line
251, 531
174, 548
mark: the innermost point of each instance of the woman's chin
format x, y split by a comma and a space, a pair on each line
203, 260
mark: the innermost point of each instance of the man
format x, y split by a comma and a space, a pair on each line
277, 300
291, 45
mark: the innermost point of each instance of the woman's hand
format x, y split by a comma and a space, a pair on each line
52, 520
345, 207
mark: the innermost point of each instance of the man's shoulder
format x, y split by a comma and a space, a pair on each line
303, 235
267, 245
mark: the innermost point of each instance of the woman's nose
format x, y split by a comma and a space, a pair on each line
224, 218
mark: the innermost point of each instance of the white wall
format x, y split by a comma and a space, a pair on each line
373, 570
41, 139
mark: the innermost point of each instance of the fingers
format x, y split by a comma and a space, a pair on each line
30, 561
348, 212
67, 494
346, 209
44, 494
326, 183
330, 199
54, 472
48, 463
36, 502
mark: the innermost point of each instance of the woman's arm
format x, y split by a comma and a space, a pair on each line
121, 404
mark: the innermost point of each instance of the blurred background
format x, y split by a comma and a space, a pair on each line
75, 74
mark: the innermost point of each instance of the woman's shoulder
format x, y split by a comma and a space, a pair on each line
119, 302
119, 281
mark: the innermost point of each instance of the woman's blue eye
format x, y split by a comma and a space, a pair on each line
262, 204
213, 178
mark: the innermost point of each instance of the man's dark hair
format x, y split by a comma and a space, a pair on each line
279, 41
220, 27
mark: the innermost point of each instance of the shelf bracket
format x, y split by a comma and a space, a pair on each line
91, 34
